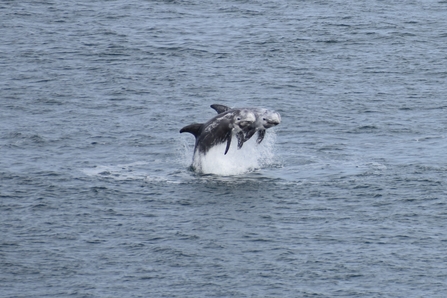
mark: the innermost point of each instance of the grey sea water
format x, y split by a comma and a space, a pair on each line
345, 198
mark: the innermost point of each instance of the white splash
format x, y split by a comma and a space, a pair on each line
250, 157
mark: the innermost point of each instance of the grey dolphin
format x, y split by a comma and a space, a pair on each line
264, 119
219, 129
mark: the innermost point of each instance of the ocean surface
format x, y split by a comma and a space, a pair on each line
347, 197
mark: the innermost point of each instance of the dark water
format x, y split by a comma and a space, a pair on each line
96, 199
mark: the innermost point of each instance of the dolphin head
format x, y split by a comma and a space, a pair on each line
244, 119
270, 119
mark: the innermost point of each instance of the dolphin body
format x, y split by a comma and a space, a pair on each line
220, 129
264, 119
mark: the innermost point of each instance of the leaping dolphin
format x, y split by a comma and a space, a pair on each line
264, 120
220, 129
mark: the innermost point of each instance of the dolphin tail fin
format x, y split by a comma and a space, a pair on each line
220, 108
192, 128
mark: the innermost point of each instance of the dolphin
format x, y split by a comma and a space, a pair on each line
264, 119
220, 129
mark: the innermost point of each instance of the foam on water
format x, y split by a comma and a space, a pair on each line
142, 171
250, 157
129, 171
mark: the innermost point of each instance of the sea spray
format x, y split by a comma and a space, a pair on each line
250, 157
184, 149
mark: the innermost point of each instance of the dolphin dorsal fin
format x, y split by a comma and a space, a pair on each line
192, 128
220, 108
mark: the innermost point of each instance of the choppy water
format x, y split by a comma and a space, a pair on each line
348, 198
